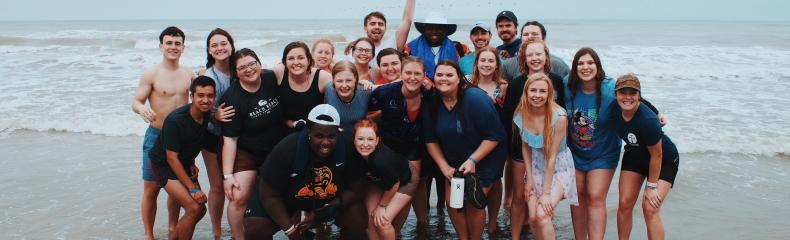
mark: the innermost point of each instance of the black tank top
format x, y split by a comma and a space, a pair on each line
298, 104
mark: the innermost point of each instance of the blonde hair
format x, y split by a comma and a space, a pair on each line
331, 47
551, 106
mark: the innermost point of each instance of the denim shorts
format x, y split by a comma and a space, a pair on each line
151, 135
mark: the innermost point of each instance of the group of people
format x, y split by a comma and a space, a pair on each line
357, 141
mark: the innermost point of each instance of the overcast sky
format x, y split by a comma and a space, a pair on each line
739, 10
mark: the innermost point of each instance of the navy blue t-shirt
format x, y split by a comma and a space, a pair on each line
512, 49
395, 129
459, 136
642, 131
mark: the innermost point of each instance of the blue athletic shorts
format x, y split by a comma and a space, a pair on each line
151, 134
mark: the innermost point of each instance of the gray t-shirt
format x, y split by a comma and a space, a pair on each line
510, 69
352, 111
223, 82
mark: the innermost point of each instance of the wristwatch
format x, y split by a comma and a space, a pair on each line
227, 176
651, 186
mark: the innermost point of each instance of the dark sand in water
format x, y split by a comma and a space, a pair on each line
83, 186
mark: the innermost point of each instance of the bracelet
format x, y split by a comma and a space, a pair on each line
194, 190
474, 161
382, 205
227, 176
651, 186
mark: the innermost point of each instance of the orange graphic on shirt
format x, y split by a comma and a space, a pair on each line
322, 186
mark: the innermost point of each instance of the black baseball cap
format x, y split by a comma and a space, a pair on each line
507, 14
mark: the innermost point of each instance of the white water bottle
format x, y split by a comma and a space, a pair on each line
457, 191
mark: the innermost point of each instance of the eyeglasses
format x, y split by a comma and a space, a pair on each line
248, 65
363, 50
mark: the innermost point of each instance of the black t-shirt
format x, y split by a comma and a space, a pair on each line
643, 131
181, 134
319, 182
385, 167
258, 122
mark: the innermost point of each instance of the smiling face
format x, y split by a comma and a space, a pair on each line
323, 55
296, 61
345, 84
531, 32
435, 34
172, 47
363, 52
586, 68
323, 139
506, 30
480, 38
536, 57
390, 67
365, 141
486, 63
219, 47
412, 75
203, 98
537, 93
375, 28
447, 80
628, 99
248, 69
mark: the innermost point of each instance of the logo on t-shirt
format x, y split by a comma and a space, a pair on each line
632, 140
321, 187
265, 107
584, 127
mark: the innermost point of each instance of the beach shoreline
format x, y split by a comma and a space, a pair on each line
61, 185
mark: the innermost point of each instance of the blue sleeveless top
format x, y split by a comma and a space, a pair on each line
536, 141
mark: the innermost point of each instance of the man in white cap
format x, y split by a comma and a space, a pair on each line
433, 45
480, 35
309, 171
375, 26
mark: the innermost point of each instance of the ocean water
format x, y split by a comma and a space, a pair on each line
722, 86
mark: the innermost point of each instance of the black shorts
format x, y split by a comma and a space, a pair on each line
211, 142
163, 173
254, 205
638, 163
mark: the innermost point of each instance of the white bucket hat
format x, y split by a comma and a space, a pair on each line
436, 18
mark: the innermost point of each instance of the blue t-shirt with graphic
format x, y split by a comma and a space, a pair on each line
591, 134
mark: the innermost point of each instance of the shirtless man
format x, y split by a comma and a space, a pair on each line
375, 26
165, 87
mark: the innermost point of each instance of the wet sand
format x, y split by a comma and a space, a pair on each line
59, 185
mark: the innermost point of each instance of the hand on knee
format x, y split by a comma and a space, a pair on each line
649, 211
542, 219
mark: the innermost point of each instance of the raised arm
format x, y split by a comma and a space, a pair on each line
402, 34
